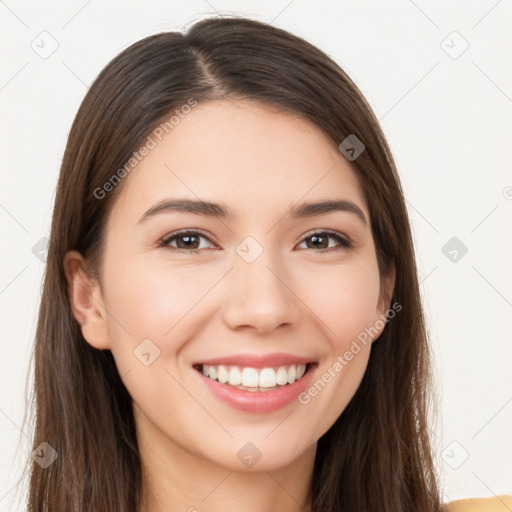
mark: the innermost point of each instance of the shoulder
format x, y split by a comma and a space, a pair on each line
501, 503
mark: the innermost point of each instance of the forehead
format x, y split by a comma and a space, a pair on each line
241, 153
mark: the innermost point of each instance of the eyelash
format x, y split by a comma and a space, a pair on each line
344, 243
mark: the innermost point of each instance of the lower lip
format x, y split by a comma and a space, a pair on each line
258, 401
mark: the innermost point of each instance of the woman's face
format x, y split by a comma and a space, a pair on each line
249, 290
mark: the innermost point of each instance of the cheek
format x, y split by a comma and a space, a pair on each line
155, 302
151, 300
152, 314
346, 309
344, 298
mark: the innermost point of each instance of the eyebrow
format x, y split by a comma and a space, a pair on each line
217, 210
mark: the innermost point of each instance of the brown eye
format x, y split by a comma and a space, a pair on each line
321, 240
186, 241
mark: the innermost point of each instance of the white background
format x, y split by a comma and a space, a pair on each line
449, 124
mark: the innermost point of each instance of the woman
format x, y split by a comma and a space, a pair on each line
230, 316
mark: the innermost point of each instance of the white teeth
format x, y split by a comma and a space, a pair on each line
267, 378
222, 374
282, 376
252, 379
249, 377
292, 374
235, 376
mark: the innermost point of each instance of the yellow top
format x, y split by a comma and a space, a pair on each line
501, 503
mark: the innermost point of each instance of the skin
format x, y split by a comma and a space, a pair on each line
294, 298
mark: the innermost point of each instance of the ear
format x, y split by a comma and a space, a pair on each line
387, 286
86, 301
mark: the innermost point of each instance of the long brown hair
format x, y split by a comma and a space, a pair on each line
377, 455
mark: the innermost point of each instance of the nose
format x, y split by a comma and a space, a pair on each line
259, 296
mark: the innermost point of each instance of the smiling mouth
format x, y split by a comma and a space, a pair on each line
255, 379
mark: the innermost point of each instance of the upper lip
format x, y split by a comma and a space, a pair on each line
256, 361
